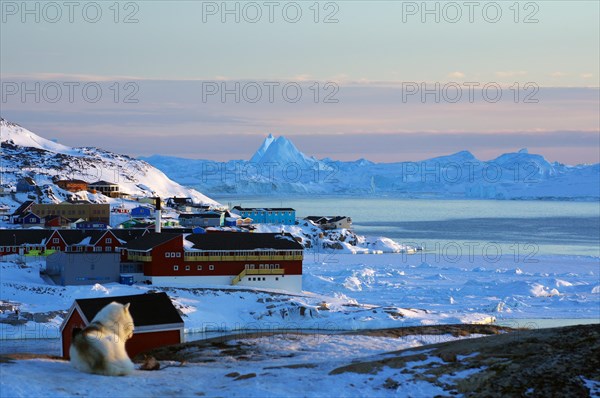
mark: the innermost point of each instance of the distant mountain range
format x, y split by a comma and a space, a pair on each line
25, 154
278, 167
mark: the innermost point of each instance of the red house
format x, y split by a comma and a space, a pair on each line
263, 260
157, 323
84, 241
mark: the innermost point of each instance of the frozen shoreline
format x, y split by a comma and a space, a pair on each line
344, 292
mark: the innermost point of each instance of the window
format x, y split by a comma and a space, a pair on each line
108, 240
178, 255
97, 248
167, 254
173, 254
176, 268
55, 240
108, 249
199, 268
211, 267
187, 267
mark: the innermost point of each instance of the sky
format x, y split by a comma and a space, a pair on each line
383, 80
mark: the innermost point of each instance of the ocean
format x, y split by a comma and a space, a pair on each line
521, 228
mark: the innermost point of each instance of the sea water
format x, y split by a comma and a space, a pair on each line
523, 228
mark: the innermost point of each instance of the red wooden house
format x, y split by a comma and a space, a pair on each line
157, 322
263, 260
84, 241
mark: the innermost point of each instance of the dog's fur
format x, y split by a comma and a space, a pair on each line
100, 347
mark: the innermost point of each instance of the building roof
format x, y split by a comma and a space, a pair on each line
22, 209
76, 236
74, 181
263, 208
17, 237
180, 201
325, 219
150, 240
206, 214
128, 234
29, 181
243, 241
102, 182
146, 309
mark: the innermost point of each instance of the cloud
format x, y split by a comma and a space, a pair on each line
511, 73
457, 75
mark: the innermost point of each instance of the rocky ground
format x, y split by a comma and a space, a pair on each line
508, 362
541, 363
558, 362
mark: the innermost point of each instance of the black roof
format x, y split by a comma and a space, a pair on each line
29, 181
21, 209
102, 182
243, 241
11, 237
324, 219
180, 201
263, 208
128, 234
150, 240
146, 309
208, 214
75, 236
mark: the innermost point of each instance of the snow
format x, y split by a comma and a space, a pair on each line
345, 292
267, 374
394, 290
27, 154
25, 138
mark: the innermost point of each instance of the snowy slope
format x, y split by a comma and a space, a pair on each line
279, 167
25, 154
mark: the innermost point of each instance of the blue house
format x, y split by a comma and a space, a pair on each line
268, 215
32, 220
91, 225
26, 184
141, 212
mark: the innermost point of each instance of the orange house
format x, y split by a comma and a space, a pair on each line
72, 185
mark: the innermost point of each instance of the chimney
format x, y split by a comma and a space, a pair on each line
157, 215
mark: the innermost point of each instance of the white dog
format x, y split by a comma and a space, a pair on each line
100, 347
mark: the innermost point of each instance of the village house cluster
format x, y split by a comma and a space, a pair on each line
171, 257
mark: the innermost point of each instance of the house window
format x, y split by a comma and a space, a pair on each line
199, 268
187, 267
178, 255
211, 267
98, 249
108, 240
167, 254
108, 249
55, 240
176, 268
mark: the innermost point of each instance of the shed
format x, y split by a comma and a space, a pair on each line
157, 322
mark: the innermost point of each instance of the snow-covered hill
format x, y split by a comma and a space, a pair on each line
25, 154
279, 167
